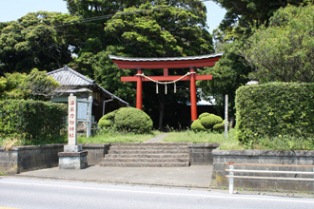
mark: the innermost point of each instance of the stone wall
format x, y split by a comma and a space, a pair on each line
8, 161
201, 154
26, 158
258, 157
96, 152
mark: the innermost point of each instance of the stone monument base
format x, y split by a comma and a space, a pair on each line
73, 160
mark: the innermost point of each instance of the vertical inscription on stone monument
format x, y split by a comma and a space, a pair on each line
72, 120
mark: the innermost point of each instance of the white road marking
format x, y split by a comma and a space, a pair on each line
216, 196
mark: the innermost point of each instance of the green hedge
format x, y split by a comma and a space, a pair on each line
34, 121
275, 110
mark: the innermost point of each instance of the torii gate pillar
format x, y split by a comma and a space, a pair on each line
193, 99
139, 90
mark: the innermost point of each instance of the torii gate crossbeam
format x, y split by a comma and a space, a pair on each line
166, 63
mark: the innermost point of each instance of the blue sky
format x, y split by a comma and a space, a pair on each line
14, 9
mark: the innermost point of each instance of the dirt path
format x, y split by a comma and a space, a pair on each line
158, 138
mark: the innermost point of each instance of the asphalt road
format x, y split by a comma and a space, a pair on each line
27, 193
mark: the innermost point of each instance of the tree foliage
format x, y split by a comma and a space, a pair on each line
35, 85
284, 51
242, 19
229, 73
160, 30
244, 15
34, 41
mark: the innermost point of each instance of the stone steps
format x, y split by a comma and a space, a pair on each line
145, 164
148, 155
153, 151
149, 146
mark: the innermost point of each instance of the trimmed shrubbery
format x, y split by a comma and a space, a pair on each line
274, 111
208, 122
35, 122
197, 126
107, 120
127, 119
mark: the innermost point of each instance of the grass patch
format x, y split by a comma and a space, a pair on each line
116, 137
226, 143
284, 143
9, 143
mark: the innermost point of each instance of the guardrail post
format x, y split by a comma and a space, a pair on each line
231, 179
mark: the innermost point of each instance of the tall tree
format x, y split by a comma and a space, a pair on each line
159, 31
34, 41
241, 20
91, 8
244, 15
35, 85
284, 51
230, 72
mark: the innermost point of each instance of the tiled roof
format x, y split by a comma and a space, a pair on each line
69, 77
139, 59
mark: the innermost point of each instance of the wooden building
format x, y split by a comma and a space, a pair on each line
79, 85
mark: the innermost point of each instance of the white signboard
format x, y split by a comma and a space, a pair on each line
82, 112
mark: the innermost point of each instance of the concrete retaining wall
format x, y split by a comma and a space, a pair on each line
8, 161
26, 158
201, 154
221, 158
96, 152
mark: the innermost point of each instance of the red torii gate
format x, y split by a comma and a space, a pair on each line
190, 62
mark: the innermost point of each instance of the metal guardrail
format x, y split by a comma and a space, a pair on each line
232, 172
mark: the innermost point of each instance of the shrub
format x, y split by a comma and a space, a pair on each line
207, 122
104, 123
107, 120
110, 116
219, 127
274, 109
197, 126
210, 120
132, 120
203, 115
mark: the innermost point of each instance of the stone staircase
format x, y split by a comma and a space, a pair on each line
147, 155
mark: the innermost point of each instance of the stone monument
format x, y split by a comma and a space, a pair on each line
73, 156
